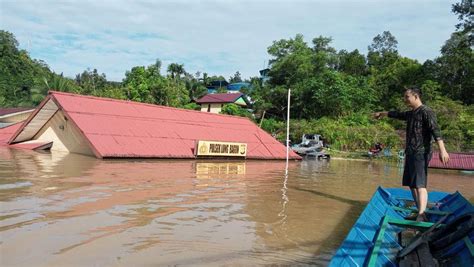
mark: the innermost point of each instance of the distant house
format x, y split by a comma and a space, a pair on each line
236, 87
264, 75
213, 102
111, 128
214, 86
9, 116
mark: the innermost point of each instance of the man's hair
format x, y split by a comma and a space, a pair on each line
414, 90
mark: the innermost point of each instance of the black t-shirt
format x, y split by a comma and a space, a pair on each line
421, 128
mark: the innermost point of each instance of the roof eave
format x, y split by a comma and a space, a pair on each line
28, 120
91, 145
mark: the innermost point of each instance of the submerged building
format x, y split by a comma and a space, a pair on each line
110, 128
10, 116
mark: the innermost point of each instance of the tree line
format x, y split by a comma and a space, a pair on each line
333, 92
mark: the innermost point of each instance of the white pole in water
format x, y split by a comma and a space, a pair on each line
288, 131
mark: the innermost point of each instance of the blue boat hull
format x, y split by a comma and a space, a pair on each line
361, 242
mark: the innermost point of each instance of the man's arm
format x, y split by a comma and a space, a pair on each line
443, 154
436, 133
391, 114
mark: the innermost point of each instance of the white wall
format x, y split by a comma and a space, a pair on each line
215, 108
65, 136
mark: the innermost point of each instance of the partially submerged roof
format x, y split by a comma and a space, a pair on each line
7, 132
222, 98
10, 116
457, 161
10, 111
117, 128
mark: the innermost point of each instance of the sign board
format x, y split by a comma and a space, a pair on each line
221, 149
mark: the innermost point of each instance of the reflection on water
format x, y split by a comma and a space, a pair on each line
61, 209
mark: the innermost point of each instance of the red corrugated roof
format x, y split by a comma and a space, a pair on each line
7, 132
33, 144
219, 98
458, 161
117, 128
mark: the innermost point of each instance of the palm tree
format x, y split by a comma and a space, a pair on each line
176, 70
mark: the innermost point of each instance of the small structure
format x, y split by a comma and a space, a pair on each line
214, 86
236, 87
9, 116
111, 128
213, 102
264, 75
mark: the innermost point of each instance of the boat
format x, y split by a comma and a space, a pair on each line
377, 237
312, 146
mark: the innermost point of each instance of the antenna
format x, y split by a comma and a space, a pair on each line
288, 132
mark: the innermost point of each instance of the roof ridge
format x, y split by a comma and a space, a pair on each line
141, 103
148, 118
221, 97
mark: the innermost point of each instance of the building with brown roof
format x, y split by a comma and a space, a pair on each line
213, 103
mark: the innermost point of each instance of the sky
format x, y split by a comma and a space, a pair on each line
217, 37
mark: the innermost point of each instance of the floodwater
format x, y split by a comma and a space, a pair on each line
73, 210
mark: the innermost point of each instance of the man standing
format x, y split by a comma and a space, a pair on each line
421, 128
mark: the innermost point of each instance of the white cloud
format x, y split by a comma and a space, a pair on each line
218, 37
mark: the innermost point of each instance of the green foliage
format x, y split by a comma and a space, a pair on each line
456, 122
19, 74
431, 91
349, 134
352, 63
91, 82
274, 127
237, 78
456, 68
192, 106
175, 70
235, 110
390, 82
464, 12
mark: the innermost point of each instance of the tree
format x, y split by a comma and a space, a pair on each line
331, 93
325, 56
385, 43
292, 61
464, 11
383, 50
389, 82
456, 65
235, 110
236, 78
91, 82
176, 70
19, 74
145, 84
352, 63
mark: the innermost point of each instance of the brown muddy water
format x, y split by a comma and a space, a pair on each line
73, 210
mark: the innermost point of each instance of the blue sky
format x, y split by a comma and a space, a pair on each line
217, 37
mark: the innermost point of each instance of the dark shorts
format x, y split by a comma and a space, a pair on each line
415, 173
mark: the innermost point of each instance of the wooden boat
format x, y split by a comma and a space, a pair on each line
376, 239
